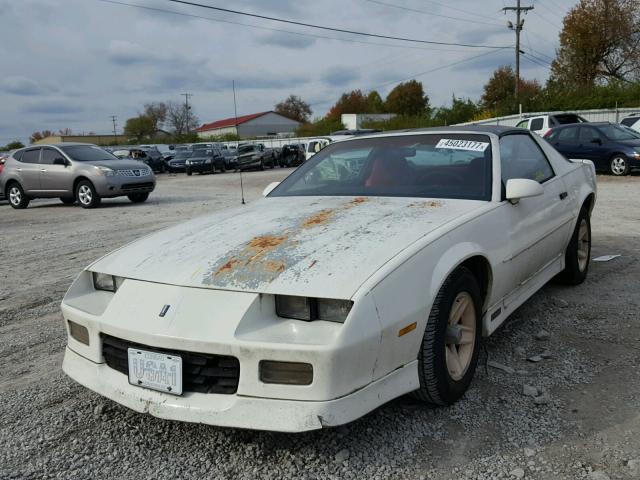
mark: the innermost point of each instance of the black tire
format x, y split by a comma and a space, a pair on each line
223, 169
16, 196
188, 172
86, 194
575, 270
261, 165
68, 200
437, 386
138, 197
163, 168
619, 165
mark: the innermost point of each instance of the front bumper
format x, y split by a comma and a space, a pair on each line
237, 410
117, 186
199, 167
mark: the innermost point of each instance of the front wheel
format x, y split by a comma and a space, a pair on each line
578, 253
449, 353
188, 172
87, 195
16, 196
619, 166
138, 197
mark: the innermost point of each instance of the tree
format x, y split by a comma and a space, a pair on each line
461, 111
320, 126
139, 127
295, 108
408, 98
375, 102
35, 136
12, 146
499, 96
65, 131
599, 41
180, 119
157, 112
351, 102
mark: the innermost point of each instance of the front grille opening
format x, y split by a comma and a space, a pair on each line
133, 187
201, 372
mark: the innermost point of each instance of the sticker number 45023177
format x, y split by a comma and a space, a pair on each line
462, 145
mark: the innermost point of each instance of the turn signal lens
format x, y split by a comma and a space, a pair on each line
78, 332
286, 373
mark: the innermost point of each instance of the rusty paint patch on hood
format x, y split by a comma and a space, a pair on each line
320, 218
427, 204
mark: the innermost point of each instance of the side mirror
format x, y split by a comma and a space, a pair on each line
60, 161
518, 188
270, 188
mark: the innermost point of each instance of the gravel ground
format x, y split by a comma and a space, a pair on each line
579, 418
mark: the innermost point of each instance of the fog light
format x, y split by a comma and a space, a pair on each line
78, 332
286, 373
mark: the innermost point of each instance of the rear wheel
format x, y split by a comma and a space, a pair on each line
16, 196
261, 164
87, 195
449, 353
138, 197
578, 253
188, 172
68, 200
619, 165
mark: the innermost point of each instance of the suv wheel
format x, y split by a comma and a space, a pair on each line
16, 196
138, 197
87, 195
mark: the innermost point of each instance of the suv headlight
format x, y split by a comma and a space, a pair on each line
108, 283
309, 309
105, 171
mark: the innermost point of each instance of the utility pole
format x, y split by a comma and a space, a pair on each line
517, 28
115, 135
186, 108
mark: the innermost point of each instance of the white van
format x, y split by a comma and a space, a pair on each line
543, 123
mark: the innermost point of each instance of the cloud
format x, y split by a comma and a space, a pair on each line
52, 107
123, 52
21, 86
287, 40
339, 76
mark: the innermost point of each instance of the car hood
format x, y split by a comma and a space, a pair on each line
119, 164
309, 246
199, 158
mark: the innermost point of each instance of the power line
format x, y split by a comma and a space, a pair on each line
113, 119
408, 9
475, 14
290, 32
334, 29
187, 112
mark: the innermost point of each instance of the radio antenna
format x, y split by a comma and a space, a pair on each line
235, 111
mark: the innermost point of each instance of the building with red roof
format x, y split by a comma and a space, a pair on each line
247, 126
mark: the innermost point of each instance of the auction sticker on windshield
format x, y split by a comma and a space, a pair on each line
157, 371
469, 145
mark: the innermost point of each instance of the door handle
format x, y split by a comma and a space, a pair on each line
563, 195
43, 169
18, 169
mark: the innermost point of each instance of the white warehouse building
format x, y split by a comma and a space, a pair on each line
248, 126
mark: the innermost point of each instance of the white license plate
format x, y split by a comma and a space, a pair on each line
157, 371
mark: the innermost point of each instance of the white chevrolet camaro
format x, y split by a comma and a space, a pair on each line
370, 272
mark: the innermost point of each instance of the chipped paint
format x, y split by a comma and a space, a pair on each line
312, 264
320, 218
428, 204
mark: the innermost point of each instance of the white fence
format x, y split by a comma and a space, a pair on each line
613, 115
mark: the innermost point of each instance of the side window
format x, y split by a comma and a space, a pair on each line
568, 135
588, 135
521, 157
537, 124
18, 155
49, 155
523, 124
31, 156
628, 122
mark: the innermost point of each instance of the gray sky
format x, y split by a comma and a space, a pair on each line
73, 63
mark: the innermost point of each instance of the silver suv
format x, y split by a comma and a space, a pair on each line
73, 172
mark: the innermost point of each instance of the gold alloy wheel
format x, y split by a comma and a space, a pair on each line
462, 328
584, 240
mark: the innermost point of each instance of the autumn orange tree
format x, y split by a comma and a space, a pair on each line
498, 93
599, 42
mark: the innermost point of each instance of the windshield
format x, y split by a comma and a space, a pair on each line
87, 153
615, 132
245, 149
182, 154
429, 165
